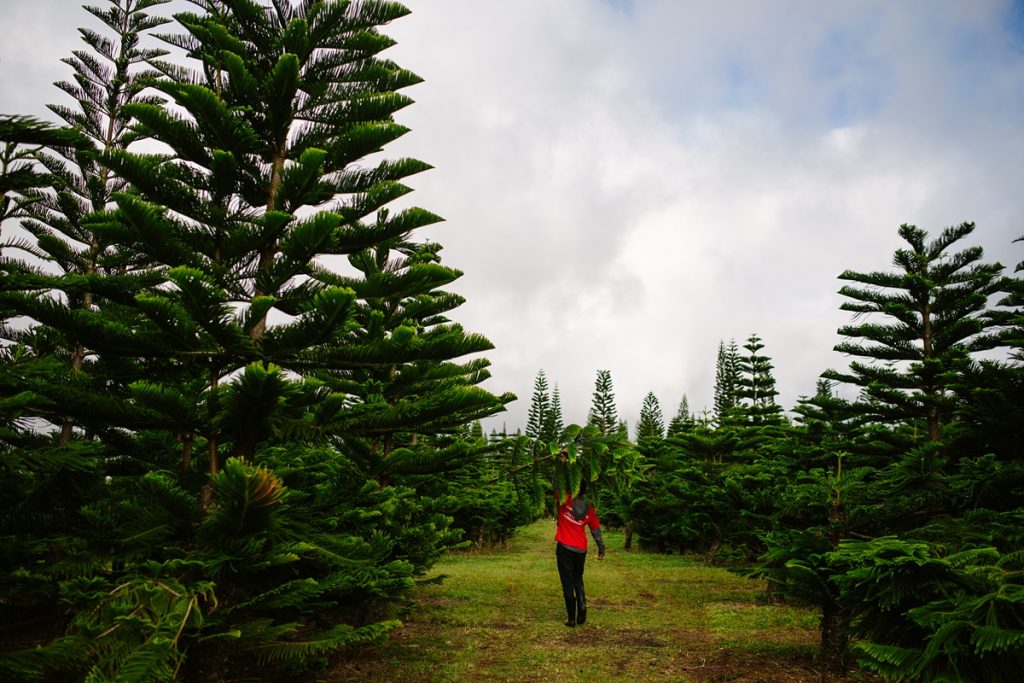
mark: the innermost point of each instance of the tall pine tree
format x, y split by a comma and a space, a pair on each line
756, 389
603, 413
553, 421
281, 318
727, 381
924, 319
651, 422
540, 407
109, 76
683, 420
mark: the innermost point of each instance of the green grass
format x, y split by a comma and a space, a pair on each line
498, 616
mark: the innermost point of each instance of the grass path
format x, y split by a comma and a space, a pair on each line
498, 616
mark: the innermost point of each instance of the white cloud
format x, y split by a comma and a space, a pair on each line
627, 183
682, 174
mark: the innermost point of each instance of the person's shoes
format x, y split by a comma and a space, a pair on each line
570, 623
581, 617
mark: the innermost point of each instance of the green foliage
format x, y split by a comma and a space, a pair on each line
247, 499
683, 420
483, 498
932, 317
708, 491
273, 651
537, 421
727, 381
218, 453
756, 390
935, 618
18, 134
282, 554
652, 422
603, 413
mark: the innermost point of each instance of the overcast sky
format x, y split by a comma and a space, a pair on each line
625, 183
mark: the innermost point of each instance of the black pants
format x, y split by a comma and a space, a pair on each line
570, 571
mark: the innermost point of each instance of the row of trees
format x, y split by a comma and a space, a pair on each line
234, 408
744, 392
896, 513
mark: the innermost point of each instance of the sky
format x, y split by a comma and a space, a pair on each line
627, 183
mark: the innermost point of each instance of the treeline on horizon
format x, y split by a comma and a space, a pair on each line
740, 376
223, 459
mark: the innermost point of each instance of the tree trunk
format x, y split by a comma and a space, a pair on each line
206, 497
833, 626
832, 655
185, 464
629, 536
933, 424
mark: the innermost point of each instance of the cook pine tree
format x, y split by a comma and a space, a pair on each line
652, 421
106, 77
254, 300
683, 420
540, 408
921, 322
603, 413
20, 139
727, 382
755, 391
554, 422
420, 408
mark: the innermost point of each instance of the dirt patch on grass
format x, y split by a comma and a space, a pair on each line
678, 639
639, 641
690, 638
502, 626
632, 638
440, 601
791, 636
733, 667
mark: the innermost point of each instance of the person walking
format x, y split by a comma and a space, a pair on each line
574, 516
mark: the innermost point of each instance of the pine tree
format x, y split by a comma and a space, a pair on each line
1013, 316
540, 407
727, 381
603, 413
683, 420
272, 126
652, 422
829, 424
756, 389
991, 392
243, 331
933, 312
19, 177
20, 136
553, 420
822, 409
421, 406
108, 77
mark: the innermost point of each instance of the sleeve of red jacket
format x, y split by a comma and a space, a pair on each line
595, 529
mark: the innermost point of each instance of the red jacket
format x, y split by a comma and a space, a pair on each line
573, 532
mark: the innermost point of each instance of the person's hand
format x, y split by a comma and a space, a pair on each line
564, 456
